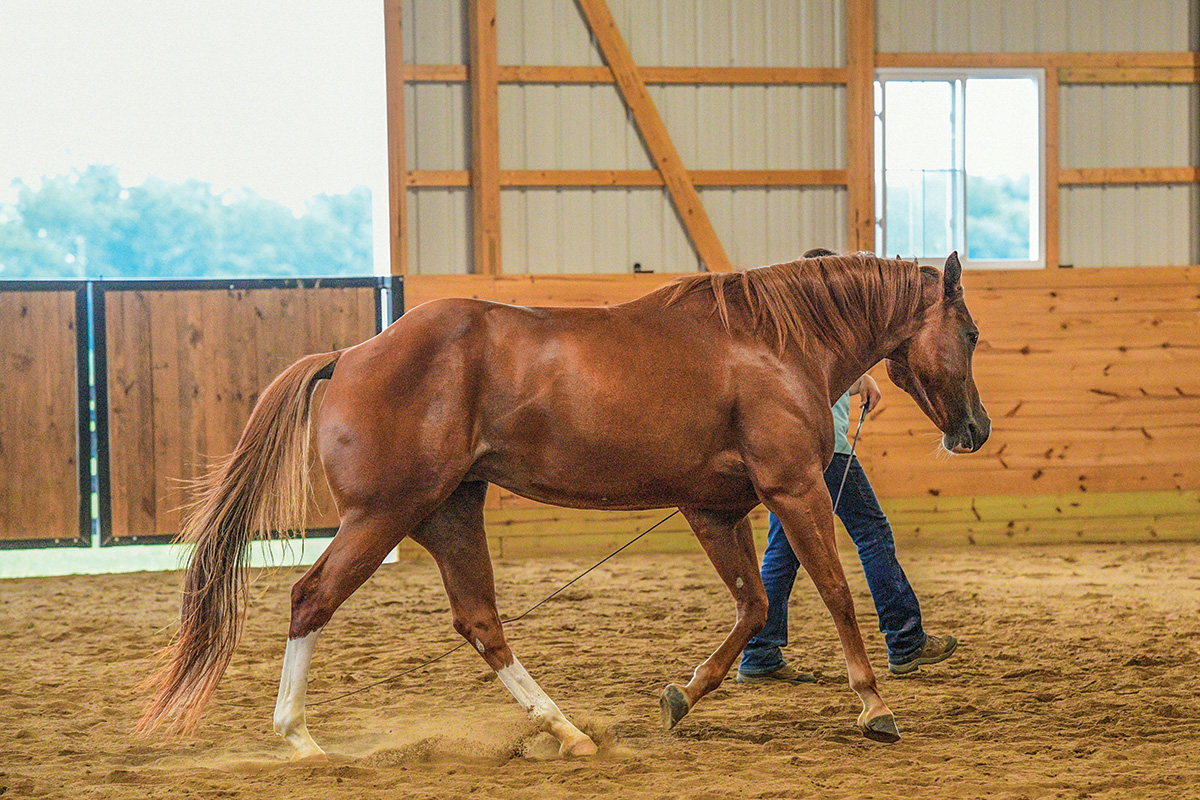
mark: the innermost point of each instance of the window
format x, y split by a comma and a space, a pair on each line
958, 158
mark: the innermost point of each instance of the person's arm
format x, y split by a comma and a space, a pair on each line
868, 389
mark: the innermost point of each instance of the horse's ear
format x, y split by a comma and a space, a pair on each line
953, 275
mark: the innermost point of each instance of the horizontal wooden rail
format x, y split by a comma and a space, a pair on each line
1129, 75
1077, 61
1127, 175
1072, 68
778, 76
615, 178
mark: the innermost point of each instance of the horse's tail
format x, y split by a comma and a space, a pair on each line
262, 487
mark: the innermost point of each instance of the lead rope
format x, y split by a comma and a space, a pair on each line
560, 589
862, 418
520, 616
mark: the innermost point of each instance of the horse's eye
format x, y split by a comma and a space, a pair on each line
973, 337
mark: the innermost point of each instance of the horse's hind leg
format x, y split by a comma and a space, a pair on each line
729, 542
361, 543
455, 537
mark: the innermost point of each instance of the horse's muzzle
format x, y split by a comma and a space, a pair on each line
969, 437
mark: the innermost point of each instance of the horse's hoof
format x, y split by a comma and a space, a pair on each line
310, 757
578, 749
673, 705
882, 729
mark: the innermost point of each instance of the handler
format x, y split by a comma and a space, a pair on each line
909, 647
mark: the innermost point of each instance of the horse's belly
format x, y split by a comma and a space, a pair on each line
614, 483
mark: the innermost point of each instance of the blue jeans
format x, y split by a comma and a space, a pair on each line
896, 604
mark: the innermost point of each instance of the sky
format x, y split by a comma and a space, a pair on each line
285, 98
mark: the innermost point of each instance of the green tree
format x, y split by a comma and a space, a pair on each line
998, 217
86, 224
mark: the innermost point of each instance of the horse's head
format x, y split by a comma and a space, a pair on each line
934, 365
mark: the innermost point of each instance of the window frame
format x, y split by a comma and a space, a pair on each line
1039, 197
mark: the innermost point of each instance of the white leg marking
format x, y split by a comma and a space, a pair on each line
543, 710
293, 686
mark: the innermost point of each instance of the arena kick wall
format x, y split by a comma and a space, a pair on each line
1092, 380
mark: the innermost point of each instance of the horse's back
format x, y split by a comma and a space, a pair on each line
531, 398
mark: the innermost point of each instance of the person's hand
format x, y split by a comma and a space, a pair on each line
868, 390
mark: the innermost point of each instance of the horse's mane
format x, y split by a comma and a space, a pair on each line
839, 299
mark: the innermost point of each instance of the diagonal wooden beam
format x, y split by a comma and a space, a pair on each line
654, 134
485, 137
397, 168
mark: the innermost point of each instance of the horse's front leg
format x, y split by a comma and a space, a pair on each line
807, 519
729, 542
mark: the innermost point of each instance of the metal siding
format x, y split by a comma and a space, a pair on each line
683, 33
436, 137
1102, 226
587, 127
769, 225
1015, 26
435, 32
1129, 126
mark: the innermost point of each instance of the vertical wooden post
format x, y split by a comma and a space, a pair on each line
860, 123
393, 44
654, 133
485, 137
1051, 213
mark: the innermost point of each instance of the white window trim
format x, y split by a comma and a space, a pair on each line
1038, 208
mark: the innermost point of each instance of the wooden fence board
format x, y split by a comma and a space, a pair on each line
39, 444
185, 368
1091, 376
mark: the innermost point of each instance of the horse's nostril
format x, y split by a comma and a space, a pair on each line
978, 437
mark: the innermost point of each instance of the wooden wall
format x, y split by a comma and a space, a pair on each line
39, 441
185, 368
1092, 380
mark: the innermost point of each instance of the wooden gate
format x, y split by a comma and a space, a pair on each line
45, 437
117, 394
184, 362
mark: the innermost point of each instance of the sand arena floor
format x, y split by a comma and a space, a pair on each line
1078, 677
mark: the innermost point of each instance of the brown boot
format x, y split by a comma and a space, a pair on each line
937, 648
785, 674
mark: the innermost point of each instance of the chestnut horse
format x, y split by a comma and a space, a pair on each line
711, 395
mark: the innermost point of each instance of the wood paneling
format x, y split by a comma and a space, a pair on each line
534, 290
185, 369
39, 443
1092, 380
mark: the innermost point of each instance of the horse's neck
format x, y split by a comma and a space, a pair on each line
875, 347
